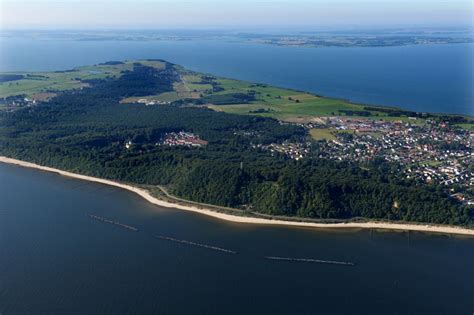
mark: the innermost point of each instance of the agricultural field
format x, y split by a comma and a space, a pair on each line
189, 87
34, 85
204, 90
283, 104
323, 134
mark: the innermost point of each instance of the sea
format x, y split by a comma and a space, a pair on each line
57, 257
423, 78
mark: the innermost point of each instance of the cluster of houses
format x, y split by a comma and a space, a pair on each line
182, 138
432, 152
14, 102
295, 151
148, 102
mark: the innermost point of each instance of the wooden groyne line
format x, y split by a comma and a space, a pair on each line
166, 238
104, 220
311, 260
206, 210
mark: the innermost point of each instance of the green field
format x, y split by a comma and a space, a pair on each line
284, 104
220, 94
41, 82
322, 134
466, 126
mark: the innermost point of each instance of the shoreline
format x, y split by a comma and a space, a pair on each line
244, 219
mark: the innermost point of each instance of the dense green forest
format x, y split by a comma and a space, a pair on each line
85, 131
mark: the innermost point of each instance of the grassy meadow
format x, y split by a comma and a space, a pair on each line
267, 101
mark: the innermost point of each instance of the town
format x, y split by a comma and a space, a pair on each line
432, 152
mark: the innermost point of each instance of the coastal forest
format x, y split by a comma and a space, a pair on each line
86, 131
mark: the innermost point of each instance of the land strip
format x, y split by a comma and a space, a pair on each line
244, 219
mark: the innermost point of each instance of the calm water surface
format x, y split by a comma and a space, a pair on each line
430, 78
55, 259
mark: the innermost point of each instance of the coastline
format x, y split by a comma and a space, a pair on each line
244, 219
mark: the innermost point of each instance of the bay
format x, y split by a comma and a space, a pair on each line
425, 78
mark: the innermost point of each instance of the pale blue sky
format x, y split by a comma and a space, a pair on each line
232, 13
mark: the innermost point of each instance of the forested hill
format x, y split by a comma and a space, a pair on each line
93, 131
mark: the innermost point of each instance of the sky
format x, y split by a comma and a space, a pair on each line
135, 14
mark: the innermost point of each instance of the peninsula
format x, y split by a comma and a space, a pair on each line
262, 150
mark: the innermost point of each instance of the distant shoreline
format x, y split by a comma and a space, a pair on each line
244, 219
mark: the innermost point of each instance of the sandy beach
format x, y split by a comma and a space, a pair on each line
248, 220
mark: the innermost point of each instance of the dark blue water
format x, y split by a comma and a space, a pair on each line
431, 78
54, 259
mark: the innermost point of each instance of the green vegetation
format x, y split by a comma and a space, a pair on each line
220, 94
227, 99
284, 104
86, 131
322, 134
41, 82
288, 105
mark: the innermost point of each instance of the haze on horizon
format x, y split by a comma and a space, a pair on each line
129, 14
